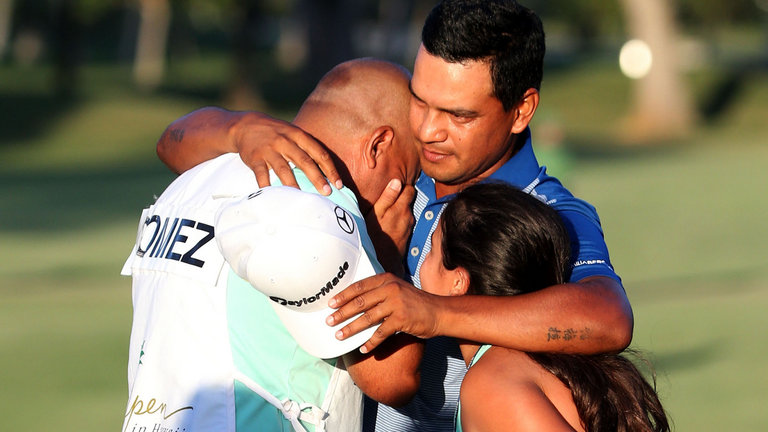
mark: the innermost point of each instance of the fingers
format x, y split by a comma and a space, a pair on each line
272, 143
374, 316
352, 300
260, 163
366, 320
388, 197
305, 162
405, 200
262, 173
374, 298
319, 155
390, 223
402, 214
355, 290
284, 172
395, 304
379, 336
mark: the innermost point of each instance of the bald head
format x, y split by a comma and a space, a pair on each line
354, 98
359, 110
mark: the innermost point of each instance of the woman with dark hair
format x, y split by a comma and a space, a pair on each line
494, 239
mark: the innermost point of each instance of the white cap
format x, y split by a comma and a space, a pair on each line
299, 249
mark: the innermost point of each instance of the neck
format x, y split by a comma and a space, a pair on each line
442, 189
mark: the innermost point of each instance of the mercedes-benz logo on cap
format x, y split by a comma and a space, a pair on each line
345, 221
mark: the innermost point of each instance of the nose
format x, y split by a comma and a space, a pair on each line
431, 128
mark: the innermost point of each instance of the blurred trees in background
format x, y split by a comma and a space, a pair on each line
151, 41
6, 10
299, 40
662, 106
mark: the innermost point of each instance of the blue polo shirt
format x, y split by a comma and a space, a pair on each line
442, 367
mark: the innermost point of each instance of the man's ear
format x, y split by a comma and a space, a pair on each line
378, 142
460, 281
524, 110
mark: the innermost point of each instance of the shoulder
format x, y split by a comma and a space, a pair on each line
552, 192
590, 254
343, 197
502, 392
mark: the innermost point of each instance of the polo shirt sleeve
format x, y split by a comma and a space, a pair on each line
589, 253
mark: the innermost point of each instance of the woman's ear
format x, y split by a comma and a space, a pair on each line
525, 110
460, 281
378, 142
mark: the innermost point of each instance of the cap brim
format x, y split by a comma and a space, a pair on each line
315, 336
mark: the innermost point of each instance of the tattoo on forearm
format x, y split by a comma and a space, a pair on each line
177, 134
569, 334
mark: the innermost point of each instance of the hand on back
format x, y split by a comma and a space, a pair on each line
265, 142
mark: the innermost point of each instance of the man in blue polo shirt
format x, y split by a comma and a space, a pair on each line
473, 96
475, 89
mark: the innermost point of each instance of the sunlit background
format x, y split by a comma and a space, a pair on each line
654, 111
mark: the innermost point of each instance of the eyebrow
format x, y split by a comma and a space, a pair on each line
458, 112
410, 88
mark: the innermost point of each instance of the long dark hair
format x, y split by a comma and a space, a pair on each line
511, 243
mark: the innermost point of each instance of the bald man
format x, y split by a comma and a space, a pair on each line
207, 352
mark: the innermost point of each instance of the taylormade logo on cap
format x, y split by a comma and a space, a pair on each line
326, 289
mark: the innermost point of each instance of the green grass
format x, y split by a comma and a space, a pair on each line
71, 185
684, 222
686, 231
63, 350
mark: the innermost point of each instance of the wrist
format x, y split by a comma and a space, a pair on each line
442, 309
451, 316
238, 125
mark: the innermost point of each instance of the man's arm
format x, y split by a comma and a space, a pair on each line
262, 141
590, 316
390, 374
197, 137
